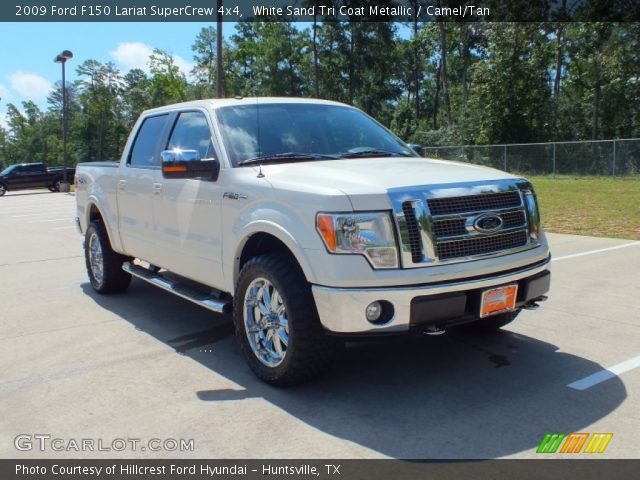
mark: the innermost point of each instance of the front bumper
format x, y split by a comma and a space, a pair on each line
342, 310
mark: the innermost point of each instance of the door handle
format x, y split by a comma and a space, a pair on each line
122, 184
157, 188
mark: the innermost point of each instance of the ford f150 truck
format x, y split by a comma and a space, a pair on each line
309, 220
33, 175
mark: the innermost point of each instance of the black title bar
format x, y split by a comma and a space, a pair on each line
318, 469
319, 10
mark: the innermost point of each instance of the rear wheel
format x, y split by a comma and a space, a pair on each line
56, 186
491, 324
276, 321
104, 266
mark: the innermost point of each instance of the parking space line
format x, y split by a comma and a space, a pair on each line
606, 374
600, 250
68, 219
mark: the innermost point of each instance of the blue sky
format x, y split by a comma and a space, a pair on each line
27, 69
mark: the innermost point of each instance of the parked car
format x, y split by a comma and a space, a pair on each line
309, 221
22, 176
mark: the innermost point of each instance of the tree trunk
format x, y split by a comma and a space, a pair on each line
559, 55
416, 63
445, 79
465, 63
316, 75
436, 97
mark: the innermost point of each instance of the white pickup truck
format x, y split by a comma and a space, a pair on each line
309, 221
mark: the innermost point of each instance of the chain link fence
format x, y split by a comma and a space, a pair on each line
600, 157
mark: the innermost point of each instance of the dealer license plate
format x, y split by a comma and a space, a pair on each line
498, 300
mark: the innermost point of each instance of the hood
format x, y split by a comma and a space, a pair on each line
376, 175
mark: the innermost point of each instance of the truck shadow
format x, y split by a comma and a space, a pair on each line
453, 396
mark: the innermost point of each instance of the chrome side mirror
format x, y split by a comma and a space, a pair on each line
188, 164
180, 155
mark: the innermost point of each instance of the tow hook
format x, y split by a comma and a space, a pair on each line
433, 330
533, 304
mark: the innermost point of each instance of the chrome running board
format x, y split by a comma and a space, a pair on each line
210, 301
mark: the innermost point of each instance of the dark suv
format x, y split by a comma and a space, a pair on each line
33, 175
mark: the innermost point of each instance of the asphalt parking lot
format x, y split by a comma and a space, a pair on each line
146, 364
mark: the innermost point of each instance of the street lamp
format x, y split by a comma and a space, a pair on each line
219, 88
62, 58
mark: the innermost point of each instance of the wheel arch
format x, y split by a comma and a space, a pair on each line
93, 212
269, 238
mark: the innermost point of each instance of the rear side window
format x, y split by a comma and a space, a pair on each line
191, 132
143, 153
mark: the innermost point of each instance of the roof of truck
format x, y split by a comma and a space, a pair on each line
225, 102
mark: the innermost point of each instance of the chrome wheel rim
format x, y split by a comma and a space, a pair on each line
265, 322
2, 190
95, 258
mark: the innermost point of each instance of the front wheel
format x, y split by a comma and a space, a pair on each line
3, 189
104, 266
276, 322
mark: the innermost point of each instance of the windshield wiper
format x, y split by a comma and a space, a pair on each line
286, 157
373, 153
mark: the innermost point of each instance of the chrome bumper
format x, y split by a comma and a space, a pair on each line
342, 310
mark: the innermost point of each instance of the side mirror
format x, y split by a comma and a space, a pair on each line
416, 147
188, 164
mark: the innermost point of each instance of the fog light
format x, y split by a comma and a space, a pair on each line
373, 311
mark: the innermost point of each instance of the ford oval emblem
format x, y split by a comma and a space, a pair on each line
488, 223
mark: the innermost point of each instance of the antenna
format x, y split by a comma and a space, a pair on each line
260, 174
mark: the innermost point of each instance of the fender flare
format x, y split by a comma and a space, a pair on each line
277, 231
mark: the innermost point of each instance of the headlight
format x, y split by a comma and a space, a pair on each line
363, 233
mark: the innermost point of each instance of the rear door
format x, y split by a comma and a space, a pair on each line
138, 185
37, 176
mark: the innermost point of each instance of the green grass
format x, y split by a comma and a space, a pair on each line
597, 206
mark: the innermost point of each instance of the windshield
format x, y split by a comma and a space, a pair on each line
283, 132
8, 170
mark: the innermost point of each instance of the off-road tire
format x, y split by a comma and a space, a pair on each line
309, 349
114, 279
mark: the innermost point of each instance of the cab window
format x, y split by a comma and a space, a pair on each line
191, 132
143, 152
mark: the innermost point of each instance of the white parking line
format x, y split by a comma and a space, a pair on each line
606, 374
67, 219
591, 252
40, 214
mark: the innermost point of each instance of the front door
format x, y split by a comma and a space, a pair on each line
188, 215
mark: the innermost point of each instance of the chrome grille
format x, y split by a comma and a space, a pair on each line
412, 231
469, 247
453, 227
474, 203
449, 228
442, 224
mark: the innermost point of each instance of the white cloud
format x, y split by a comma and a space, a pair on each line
3, 120
132, 55
184, 65
4, 93
136, 55
29, 85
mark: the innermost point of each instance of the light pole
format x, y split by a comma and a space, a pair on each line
62, 58
219, 89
